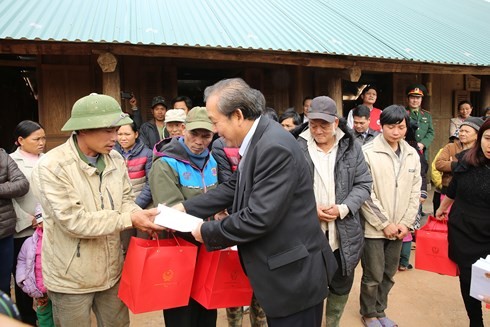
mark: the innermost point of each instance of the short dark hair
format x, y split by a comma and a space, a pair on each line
271, 113
361, 111
235, 94
369, 87
132, 125
464, 102
486, 111
291, 113
186, 99
307, 98
26, 128
394, 114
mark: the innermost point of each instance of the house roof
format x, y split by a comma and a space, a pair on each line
437, 31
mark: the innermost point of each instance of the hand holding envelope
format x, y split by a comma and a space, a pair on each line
176, 220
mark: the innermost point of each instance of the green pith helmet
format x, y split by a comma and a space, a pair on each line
96, 111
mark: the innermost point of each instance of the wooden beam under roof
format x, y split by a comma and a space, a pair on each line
21, 47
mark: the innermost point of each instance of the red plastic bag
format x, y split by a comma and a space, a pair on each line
431, 252
219, 280
157, 274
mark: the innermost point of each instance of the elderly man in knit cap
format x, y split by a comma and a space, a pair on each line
448, 158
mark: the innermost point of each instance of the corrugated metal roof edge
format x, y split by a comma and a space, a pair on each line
104, 42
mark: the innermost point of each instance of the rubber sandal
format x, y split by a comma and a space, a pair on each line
387, 322
372, 323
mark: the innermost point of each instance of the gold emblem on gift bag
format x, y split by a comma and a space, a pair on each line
168, 275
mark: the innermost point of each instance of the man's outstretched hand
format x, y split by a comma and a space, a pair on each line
144, 221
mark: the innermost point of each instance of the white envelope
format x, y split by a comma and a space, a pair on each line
480, 285
175, 219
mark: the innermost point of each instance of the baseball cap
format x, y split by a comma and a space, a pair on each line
158, 100
175, 115
198, 118
324, 108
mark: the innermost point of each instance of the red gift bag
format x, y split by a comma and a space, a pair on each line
219, 280
157, 274
431, 252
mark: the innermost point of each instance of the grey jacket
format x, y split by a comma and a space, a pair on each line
13, 184
352, 187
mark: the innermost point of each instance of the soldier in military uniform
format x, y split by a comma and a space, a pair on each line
424, 135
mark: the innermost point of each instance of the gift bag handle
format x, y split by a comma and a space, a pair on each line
434, 222
175, 238
155, 236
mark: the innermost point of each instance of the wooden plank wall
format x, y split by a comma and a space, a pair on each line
59, 87
64, 79
147, 78
443, 104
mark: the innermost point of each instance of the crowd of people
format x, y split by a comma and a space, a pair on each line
305, 197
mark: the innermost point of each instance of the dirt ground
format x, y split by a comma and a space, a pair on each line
419, 298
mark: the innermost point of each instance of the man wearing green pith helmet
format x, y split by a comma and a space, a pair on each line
87, 197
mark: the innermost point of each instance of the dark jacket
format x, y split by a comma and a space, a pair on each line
138, 162
469, 218
274, 223
371, 134
352, 187
227, 159
148, 133
13, 184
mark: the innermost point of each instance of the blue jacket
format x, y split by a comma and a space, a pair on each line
174, 178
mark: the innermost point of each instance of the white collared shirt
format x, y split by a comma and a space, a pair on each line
324, 181
246, 141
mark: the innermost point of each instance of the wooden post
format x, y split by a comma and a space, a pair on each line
111, 83
170, 83
296, 89
485, 93
352, 74
329, 83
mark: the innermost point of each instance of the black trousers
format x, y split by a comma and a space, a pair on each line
340, 285
192, 315
472, 305
311, 317
23, 301
436, 201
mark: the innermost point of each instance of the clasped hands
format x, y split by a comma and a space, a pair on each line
393, 231
327, 213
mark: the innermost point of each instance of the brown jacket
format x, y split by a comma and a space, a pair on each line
447, 160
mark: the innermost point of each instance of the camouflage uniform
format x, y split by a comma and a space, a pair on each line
257, 315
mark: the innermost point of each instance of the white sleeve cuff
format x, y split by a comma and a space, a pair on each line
343, 210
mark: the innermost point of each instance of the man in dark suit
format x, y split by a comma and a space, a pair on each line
274, 221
